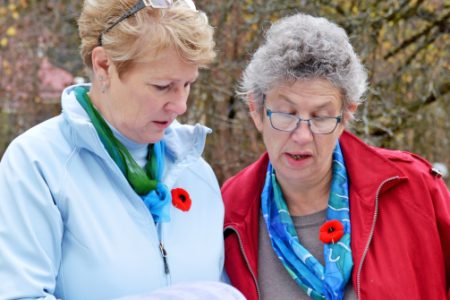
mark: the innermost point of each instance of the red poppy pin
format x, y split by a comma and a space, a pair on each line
181, 199
331, 231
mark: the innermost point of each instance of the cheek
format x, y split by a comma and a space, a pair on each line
341, 128
325, 147
142, 104
273, 142
257, 121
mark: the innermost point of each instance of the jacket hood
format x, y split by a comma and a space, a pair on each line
184, 143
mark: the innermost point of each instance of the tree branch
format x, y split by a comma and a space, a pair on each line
441, 24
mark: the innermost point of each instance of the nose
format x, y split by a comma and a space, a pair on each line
302, 134
178, 102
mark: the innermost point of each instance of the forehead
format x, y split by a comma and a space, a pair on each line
166, 64
306, 92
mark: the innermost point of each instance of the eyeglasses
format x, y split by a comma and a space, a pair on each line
288, 122
137, 7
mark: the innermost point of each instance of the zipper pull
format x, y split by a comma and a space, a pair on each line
164, 256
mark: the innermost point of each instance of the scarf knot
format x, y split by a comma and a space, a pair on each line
146, 182
157, 201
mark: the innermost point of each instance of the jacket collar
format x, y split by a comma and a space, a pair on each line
248, 184
368, 167
184, 143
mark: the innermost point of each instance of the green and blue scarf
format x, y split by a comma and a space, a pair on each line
144, 181
317, 281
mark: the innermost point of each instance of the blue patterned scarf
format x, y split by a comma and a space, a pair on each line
317, 281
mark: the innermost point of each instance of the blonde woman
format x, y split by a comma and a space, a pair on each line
112, 198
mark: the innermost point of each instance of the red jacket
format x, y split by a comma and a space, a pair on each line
400, 216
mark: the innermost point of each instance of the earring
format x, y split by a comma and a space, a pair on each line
103, 87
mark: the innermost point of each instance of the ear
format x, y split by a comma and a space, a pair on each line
351, 109
254, 113
100, 64
347, 116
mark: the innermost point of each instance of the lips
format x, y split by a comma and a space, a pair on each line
299, 156
162, 124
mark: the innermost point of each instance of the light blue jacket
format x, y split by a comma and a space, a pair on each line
71, 227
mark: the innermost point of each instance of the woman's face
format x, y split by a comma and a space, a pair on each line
301, 157
147, 98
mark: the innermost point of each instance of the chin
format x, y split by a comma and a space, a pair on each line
154, 138
296, 174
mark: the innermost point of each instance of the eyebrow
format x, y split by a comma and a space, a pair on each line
192, 80
324, 105
321, 106
171, 79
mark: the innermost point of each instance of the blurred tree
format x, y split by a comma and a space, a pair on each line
30, 33
404, 45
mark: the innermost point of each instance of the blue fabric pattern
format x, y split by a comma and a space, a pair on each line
158, 200
317, 281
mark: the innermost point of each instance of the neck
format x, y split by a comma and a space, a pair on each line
101, 105
95, 94
307, 198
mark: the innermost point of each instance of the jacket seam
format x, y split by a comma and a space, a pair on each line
61, 186
241, 248
371, 235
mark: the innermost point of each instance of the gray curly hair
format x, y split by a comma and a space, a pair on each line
304, 47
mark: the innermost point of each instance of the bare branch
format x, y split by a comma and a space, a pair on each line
441, 24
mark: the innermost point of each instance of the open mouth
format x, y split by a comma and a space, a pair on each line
299, 156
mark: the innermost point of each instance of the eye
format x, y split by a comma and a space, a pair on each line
287, 112
323, 114
161, 87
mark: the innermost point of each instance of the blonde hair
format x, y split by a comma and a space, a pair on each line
179, 27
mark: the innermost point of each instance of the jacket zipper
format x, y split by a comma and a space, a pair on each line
245, 259
164, 257
163, 252
372, 230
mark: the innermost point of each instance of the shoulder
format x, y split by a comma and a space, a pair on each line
186, 135
249, 178
203, 172
185, 142
407, 161
38, 140
422, 176
40, 151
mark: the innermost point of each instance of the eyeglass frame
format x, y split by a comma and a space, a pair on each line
133, 10
270, 112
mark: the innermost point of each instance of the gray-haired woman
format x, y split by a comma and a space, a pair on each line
322, 215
